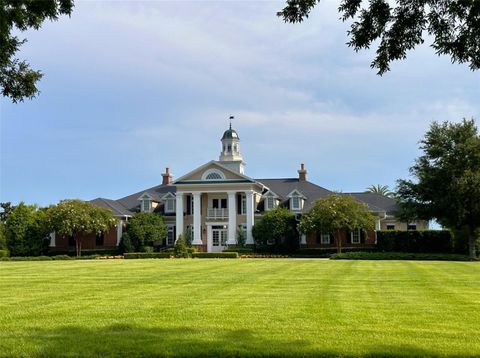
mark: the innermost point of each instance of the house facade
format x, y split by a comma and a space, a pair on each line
216, 200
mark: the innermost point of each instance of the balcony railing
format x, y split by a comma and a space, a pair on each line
213, 213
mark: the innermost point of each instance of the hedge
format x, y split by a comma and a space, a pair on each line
327, 252
240, 250
86, 252
146, 255
3, 253
47, 258
398, 256
215, 255
428, 241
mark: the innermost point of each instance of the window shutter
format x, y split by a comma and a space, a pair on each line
362, 236
332, 238
189, 205
174, 233
239, 204
348, 237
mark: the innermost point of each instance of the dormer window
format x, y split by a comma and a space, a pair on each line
169, 201
270, 200
296, 200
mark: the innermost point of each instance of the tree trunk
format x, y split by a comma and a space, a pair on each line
471, 246
339, 242
78, 247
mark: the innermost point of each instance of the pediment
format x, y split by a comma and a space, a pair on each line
212, 172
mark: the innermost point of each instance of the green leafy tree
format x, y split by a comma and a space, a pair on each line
77, 218
27, 231
3, 239
335, 214
447, 180
399, 26
381, 189
146, 228
17, 79
276, 231
7, 210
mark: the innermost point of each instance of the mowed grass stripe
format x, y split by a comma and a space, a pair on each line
255, 307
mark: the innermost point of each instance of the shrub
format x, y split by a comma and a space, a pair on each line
215, 255
327, 252
428, 241
126, 244
146, 228
93, 252
180, 249
241, 237
146, 255
398, 256
3, 253
63, 257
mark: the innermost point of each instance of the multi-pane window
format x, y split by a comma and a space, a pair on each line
325, 238
390, 226
170, 235
270, 203
412, 226
295, 202
243, 205
146, 205
355, 236
170, 205
213, 176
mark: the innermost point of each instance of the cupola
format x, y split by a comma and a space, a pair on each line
230, 155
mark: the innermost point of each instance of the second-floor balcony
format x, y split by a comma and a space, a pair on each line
215, 213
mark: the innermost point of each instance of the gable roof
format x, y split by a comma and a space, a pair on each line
157, 192
114, 206
185, 178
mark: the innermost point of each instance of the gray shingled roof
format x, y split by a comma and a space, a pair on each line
376, 202
157, 192
113, 205
283, 187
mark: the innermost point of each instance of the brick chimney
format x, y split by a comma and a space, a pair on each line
167, 177
302, 173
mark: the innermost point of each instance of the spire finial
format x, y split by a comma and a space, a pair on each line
231, 117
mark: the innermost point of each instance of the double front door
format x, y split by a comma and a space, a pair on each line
219, 238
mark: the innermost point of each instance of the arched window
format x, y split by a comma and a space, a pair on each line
213, 174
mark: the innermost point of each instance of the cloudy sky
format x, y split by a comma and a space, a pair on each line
133, 87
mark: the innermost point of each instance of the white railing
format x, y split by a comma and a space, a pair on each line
217, 213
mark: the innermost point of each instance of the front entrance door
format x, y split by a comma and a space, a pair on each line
219, 238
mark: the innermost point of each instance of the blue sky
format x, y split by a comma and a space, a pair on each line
132, 87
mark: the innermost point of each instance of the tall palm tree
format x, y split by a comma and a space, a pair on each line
381, 189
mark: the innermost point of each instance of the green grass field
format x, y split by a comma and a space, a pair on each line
277, 307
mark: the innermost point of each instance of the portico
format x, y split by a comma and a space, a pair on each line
214, 215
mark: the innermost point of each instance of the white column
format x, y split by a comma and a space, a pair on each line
232, 218
197, 223
250, 217
52, 239
179, 214
119, 231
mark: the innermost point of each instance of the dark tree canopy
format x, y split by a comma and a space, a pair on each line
447, 180
401, 25
17, 80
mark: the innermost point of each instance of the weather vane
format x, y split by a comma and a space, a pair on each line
231, 117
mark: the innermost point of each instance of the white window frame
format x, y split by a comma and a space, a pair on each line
292, 201
170, 201
148, 208
355, 234
269, 200
243, 205
170, 230
325, 238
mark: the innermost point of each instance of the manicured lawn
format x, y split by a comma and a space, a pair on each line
277, 307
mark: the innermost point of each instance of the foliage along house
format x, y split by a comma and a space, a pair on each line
217, 199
